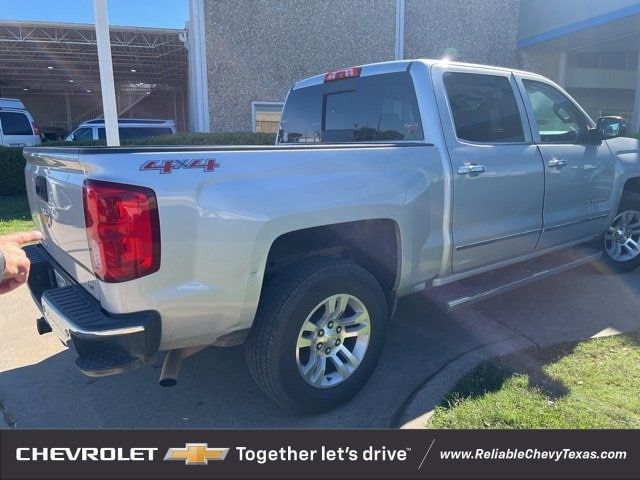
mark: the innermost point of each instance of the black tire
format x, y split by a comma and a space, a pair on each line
629, 202
286, 303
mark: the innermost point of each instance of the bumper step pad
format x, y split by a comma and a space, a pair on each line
106, 344
77, 307
100, 364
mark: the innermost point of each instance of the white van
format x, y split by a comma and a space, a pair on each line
17, 127
129, 128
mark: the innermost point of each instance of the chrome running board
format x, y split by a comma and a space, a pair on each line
485, 285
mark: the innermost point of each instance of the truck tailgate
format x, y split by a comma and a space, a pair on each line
54, 188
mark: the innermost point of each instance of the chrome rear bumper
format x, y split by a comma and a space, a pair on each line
106, 343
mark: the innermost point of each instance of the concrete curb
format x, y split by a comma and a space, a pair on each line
432, 392
421, 407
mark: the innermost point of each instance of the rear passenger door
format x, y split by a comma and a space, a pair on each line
498, 175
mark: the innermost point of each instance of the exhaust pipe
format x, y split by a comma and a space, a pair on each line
173, 362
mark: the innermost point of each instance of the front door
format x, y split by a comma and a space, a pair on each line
498, 178
578, 175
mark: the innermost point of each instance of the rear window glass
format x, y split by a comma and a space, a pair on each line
15, 123
137, 132
375, 108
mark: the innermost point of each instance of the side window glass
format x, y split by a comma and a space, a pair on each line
484, 108
557, 118
128, 133
83, 134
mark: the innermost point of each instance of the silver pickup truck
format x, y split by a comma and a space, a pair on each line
458, 180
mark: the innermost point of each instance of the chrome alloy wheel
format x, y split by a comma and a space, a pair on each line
333, 340
622, 240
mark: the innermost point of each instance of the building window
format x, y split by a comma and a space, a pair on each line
583, 60
266, 116
625, 60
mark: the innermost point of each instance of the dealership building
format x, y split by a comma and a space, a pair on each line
244, 54
53, 68
231, 66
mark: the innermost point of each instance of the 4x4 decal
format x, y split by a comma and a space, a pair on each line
168, 166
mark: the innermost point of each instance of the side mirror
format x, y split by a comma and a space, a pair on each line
611, 126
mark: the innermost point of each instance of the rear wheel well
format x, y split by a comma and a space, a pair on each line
372, 244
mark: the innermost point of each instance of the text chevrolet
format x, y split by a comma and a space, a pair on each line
459, 180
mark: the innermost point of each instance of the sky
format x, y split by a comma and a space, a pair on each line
139, 13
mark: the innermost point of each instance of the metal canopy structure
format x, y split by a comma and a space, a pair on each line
63, 57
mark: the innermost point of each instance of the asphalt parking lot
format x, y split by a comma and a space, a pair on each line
40, 387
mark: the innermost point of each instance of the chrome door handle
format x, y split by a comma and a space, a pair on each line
471, 168
556, 162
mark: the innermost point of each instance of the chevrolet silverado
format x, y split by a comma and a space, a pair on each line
458, 180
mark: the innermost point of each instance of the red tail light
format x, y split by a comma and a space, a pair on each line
123, 230
342, 73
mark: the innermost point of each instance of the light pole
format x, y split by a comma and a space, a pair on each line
106, 73
399, 50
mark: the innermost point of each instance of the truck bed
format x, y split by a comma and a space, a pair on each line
218, 203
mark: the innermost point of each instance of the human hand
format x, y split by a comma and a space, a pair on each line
16, 263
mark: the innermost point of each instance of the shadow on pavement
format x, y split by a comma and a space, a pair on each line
215, 389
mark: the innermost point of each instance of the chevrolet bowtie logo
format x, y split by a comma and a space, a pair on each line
196, 454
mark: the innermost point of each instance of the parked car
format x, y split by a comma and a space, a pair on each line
129, 128
456, 180
17, 127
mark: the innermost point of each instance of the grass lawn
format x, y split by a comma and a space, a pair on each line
14, 214
589, 384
